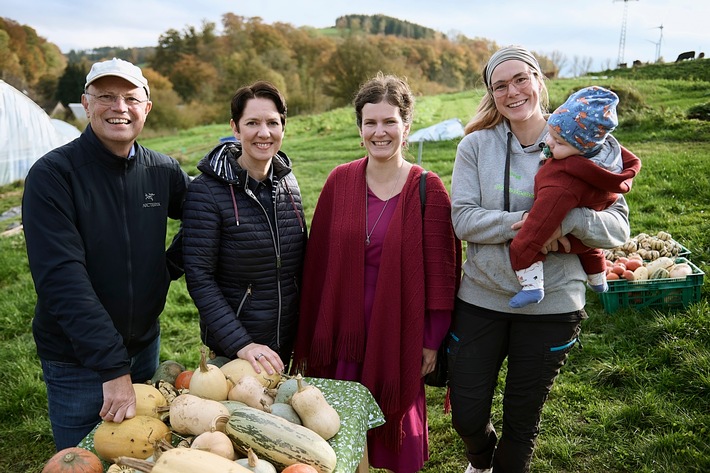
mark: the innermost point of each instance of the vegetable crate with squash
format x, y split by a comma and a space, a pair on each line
651, 271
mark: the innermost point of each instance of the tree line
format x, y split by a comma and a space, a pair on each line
193, 72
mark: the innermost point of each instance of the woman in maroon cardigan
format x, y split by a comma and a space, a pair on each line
366, 313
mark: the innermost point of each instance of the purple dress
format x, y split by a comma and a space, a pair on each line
414, 450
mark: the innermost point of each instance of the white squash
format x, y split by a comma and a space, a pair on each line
215, 441
209, 381
256, 464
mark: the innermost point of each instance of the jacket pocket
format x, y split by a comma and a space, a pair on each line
245, 299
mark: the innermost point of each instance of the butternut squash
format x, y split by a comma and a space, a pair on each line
133, 437
314, 411
251, 392
184, 460
215, 441
190, 414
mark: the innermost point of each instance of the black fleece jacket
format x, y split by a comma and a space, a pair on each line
95, 226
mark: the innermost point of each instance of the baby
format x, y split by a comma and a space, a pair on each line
588, 168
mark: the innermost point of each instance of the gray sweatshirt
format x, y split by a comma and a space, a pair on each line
477, 199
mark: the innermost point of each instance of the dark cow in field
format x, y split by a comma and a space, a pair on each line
685, 55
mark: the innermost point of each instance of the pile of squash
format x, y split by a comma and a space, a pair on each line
646, 257
648, 247
228, 418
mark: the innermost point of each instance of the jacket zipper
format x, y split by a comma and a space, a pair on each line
277, 250
247, 295
129, 265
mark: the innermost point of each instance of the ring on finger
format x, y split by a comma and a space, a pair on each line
111, 413
258, 356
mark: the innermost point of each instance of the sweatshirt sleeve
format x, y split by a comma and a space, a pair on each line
604, 229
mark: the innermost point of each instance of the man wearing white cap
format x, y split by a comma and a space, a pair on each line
95, 215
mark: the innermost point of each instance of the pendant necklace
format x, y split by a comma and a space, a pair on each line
368, 234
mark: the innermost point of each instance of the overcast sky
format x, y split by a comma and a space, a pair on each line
576, 29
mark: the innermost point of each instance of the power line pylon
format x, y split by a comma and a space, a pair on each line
622, 39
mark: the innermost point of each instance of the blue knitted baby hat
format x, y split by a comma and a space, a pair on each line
586, 118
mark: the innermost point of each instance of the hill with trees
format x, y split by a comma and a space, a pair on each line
316, 69
194, 71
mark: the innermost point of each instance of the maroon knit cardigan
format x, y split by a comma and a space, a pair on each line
331, 325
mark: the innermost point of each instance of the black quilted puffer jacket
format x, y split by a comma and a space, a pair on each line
243, 273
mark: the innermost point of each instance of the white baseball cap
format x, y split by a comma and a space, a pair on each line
119, 68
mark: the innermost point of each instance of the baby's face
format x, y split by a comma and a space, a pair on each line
559, 148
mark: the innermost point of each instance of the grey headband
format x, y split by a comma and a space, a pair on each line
506, 54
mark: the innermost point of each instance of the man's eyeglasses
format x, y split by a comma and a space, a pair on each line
110, 99
520, 82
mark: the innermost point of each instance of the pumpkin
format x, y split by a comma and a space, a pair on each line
73, 460
299, 468
208, 381
183, 380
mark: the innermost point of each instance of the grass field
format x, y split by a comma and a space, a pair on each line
636, 398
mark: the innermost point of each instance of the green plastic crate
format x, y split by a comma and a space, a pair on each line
654, 293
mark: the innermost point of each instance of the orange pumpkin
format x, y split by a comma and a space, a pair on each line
74, 460
183, 379
299, 468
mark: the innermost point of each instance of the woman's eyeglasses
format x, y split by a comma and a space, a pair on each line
520, 82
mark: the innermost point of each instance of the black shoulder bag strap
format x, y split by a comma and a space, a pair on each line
422, 189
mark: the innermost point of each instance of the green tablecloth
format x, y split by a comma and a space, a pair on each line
358, 413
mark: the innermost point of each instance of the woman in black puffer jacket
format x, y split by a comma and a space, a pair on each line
244, 236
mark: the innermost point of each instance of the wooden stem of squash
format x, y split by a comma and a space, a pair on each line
221, 419
203, 360
135, 463
299, 381
252, 458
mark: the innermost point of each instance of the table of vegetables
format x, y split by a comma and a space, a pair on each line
225, 417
